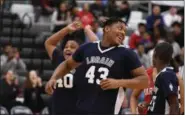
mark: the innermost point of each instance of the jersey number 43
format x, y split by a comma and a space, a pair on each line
91, 74
66, 82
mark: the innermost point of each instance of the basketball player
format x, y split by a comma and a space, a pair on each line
166, 82
102, 60
142, 107
64, 97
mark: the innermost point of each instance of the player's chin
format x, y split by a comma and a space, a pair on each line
66, 56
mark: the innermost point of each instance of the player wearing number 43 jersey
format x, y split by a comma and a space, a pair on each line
107, 67
64, 97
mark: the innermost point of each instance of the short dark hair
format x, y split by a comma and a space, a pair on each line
164, 52
176, 24
141, 25
139, 44
112, 20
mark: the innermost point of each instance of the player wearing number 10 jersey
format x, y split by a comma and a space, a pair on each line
64, 97
103, 60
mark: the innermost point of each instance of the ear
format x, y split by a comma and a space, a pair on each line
106, 29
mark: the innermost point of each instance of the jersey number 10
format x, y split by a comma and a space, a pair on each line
66, 82
91, 74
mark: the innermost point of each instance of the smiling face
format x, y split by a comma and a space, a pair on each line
70, 47
115, 33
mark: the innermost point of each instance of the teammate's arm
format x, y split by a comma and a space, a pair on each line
180, 80
90, 34
52, 41
134, 100
64, 68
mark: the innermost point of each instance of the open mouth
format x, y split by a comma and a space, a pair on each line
68, 53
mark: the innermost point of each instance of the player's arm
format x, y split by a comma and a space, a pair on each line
134, 100
180, 80
173, 103
90, 34
65, 67
52, 41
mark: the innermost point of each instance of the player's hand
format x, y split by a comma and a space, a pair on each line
50, 86
109, 84
88, 27
74, 26
142, 107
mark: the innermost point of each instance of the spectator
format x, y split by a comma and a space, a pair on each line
8, 90
61, 17
20, 63
13, 62
178, 33
175, 45
98, 9
155, 20
42, 7
140, 36
157, 36
32, 93
172, 17
111, 10
124, 10
4, 56
85, 15
144, 59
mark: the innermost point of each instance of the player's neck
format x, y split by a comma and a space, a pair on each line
105, 43
161, 67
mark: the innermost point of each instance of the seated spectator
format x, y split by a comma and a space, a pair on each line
172, 17
157, 36
4, 56
61, 17
32, 92
42, 7
144, 59
178, 33
175, 45
85, 15
20, 63
124, 11
111, 10
8, 90
13, 62
98, 9
140, 36
155, 20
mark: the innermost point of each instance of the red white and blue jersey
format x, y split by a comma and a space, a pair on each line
100, 63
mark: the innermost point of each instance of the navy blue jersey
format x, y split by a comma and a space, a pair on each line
166, 84
64, 97
114, 62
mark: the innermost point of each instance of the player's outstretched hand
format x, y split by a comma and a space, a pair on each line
109, 84
50, 86
74, 26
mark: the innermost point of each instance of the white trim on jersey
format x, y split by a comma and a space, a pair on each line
106, 50
119, 100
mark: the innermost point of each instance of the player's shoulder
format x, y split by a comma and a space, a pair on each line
168, 73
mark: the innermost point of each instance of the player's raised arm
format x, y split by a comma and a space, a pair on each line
52, 41
90, 34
